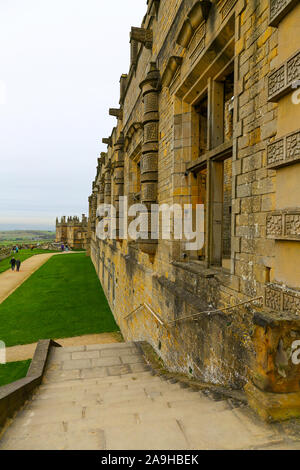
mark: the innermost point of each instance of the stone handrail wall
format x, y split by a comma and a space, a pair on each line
14, 395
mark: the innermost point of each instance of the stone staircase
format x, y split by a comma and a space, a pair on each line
104, 397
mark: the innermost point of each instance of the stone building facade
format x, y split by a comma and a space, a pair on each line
72, 231
209, 114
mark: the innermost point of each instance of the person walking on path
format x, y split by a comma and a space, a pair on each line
17, 249
13, 263
18, 264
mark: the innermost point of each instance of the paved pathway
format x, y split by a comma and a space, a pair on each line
103, 397
11, 280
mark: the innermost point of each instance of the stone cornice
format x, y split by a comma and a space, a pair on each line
142, 35
107, 141
116, 112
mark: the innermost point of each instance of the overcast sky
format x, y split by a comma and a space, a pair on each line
60, 65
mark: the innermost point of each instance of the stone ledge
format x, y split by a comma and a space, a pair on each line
195, 268
14, 395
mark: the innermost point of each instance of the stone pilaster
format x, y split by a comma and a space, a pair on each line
93, 208
149, 162
107, 183
118, 176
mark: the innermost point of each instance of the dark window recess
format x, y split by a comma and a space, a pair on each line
202, 111
228, 106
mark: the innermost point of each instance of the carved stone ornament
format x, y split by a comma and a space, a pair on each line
197, 14
282, 80
284, 151
279, 9
284, 225
282, 299
173, 64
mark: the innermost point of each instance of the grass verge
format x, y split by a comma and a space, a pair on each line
22, 256
63, 299
13, 371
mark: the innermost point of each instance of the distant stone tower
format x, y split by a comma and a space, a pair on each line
72, 231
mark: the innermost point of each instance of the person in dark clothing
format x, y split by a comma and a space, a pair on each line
18, 264
13, 263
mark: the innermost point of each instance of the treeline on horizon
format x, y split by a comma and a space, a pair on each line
26, 234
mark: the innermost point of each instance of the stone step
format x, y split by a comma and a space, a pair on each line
115, 388
103, 397
58, 375
109, 397
130, 379
80, 352
193, 423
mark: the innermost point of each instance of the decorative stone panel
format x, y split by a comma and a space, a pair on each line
284, 151
198, 14
279, 9
282, 299
228, 7
281, 81
197, 44
273, 299
172, 66
284, 225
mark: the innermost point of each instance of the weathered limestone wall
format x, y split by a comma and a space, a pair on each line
248, 162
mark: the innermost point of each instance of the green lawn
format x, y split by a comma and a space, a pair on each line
22, 256
64, 298
13, 371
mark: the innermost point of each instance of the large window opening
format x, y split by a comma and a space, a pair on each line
228, 106
221, 212
201, 199
202, 111
227, 211
135, 180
